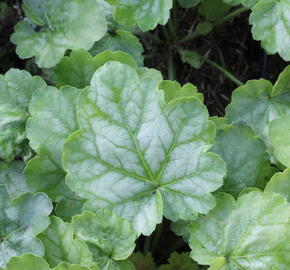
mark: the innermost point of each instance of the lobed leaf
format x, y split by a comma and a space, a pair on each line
16, 89
51, 27
139, 156
236, 235
21, 220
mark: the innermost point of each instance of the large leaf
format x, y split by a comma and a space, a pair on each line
111, 238
250, 233
143, 261
145, 13
246, 157
31, 262
16, 89
60, 245
279, 132
77, 69
271, 24
134, 153
258, 103
12, 176
21, 220
180, 261
120, 40
53, 26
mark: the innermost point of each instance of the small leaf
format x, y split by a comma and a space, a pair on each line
16, 89
246, 236
22, 219
173, 90
245, 159
139, 156
142, 261
112, 238
120, 40
60, 246
191, 58
213, 9
52, 27
180, 261
77, 69
145, 13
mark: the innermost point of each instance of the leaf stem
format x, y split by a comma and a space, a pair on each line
228, 17
223, 70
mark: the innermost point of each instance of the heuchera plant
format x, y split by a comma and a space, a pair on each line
102, 153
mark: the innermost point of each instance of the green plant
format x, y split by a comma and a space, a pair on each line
100, 156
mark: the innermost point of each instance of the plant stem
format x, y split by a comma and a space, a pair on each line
147, 243
223, 70
228, 17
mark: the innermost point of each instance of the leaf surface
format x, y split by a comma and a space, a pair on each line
53, 26
60, 245
145, 13
21, 220
236, 235
16, 89
179, 261
135, 154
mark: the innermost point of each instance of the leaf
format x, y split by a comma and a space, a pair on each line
16, 89
52, 27
31, 262
188, 3
221, 123
181, 228
258, 103
143, 261
191, 58
180, 261
12, 176
112, 237
280, 183
145, 13
77, 69
233, 2
241, 236
120, 40
21, 220
173, 90
279, 133
49, 108
69, 207
139, 156
60, 245
245, 159
213, 10
271, 22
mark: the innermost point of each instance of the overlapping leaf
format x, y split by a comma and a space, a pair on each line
246, 157
143, 261
12, 176
53, 26
120, 40
236, 235
180, 261
60, 245
16, 89
77, 69
111, 238
21, 220
139, 156
145, 13
31, 262
258, 103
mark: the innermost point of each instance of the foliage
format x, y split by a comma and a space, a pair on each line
109, 165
